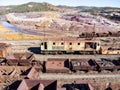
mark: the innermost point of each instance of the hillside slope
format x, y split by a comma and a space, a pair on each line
32, 7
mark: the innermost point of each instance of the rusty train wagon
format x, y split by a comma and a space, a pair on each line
99, 34
57, 65
83, 65
5, 50
111, 51
59, 46
106, 64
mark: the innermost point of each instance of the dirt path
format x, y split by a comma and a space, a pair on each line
68, 76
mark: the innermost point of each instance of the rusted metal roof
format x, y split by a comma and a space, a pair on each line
24, 62
12, 62
24, 56
37, 84
31, 73
56, 65
68, 39
13, 73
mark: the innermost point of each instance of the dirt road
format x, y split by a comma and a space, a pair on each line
74, 76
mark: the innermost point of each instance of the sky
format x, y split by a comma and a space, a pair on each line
98, 3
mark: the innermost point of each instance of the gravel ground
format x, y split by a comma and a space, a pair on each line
74, 76
96, 57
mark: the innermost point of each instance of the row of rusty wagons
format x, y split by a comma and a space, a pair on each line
57, 65
62, 65
20, 59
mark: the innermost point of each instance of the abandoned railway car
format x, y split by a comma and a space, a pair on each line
21, 62
76, 46
60, 46
83, 65
5, 50
58, 65
20, 59
110, 50
99, 34
106, 64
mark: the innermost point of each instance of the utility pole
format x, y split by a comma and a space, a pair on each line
21, 33
93, 34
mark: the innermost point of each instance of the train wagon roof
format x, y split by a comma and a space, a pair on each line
69, 40
57, 59
81, 59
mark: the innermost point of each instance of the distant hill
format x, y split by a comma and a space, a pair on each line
32, 7
89, 8
64, 6
4, 8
